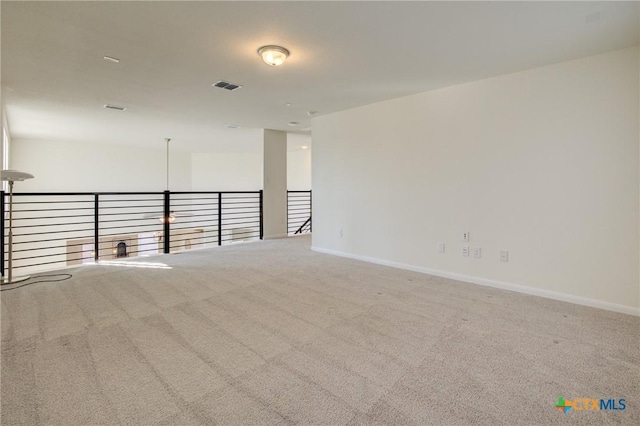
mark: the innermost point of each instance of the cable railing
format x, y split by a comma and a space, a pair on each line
54, 230
298, 212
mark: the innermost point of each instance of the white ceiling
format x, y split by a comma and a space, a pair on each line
343, 55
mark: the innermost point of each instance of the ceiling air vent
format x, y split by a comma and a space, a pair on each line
226, 85
117, 108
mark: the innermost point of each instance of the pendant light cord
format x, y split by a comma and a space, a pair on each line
167, 139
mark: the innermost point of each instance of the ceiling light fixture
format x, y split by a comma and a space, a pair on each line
111, 58
273, 55
304, 147
293, 123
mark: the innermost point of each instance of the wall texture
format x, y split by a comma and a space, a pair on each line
227, 171
542, 163
299, 170
61, 166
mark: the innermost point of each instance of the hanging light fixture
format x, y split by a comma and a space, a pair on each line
172, 215
12, 176
273, 55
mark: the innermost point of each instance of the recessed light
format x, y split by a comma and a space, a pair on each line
293, 123
288, 104
232, 126
311, 113
304, 147
117, 108
111, 58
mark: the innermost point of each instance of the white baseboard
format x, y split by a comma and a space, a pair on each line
274, 237
578, 300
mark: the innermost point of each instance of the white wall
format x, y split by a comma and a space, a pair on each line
62, 166
242, 170
226, 171
298, 162
543, 163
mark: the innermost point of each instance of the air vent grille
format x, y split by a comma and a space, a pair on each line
226, 85
117, 108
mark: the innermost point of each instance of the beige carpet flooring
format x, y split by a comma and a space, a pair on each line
272, 333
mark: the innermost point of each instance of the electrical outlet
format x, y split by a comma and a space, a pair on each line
465, 251
477, 252
465, 236
504, 255
440, 247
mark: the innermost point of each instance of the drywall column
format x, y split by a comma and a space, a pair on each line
275, 183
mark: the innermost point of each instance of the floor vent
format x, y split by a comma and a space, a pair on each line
226, 85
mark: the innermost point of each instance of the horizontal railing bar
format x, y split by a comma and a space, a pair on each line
38, 264
228, 202
130, 219
90, 237
224, 219
201, 243
159, 225
245, 237
210, 211
52, 224
128, 213
50, 217
214, 192
249, 231
298, 191
52, 210
50, 202
156, 203
232, 214
51, 247
230, 226
196, 204
48, 255
52, 232
67, 194
195, 223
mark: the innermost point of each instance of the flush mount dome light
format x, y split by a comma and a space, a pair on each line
273, 55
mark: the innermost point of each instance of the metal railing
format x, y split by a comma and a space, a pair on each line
298, 212
61, 229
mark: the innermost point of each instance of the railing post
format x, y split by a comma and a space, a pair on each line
166, 231
96, 228
310, 211
219, 218
261, 216
2, 207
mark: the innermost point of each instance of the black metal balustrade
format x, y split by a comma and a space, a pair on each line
62, 229
298, 212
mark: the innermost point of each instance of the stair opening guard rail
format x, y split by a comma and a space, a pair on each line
299, 209
58, 229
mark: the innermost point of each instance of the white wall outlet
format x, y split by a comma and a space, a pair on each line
465, 236
504, 255
477, 252
440, 247
340, 232
465, 251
